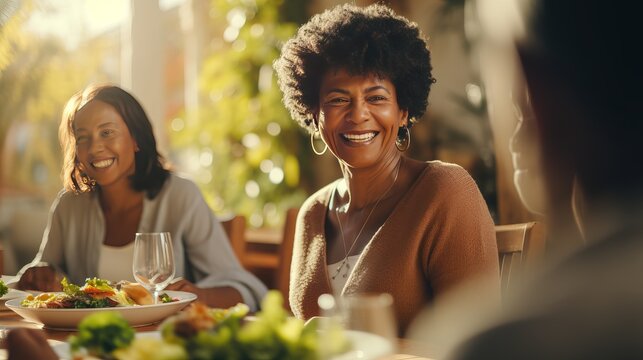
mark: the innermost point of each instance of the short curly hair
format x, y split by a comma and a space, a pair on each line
369, 40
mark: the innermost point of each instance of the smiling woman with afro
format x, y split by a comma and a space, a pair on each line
357, 79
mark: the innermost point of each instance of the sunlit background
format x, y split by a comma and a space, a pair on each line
202, 70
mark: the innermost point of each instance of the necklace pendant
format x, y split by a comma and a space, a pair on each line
339, 269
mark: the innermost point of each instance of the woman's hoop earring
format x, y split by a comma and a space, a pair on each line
87, 180
312, 143
403, 141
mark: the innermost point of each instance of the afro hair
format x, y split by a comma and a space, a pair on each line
369, 40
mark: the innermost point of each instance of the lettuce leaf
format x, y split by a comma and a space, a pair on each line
99, 284
3, 289
69, 288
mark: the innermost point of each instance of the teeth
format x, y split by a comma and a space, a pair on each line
103, 163
360, 137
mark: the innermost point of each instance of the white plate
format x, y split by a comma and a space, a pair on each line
365, 346
12, 294
68, 319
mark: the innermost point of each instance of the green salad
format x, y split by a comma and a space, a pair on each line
205, 333
95, 293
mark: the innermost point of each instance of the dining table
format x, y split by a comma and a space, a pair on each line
406, 349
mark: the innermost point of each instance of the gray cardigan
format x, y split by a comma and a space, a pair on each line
202, 252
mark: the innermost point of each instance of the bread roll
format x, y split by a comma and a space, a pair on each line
138, 293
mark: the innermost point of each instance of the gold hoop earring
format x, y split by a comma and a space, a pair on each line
91, 183
403, 141
312, 143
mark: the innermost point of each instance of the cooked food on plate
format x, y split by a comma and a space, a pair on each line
137, 292
95, 293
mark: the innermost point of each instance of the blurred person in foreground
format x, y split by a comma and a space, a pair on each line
116, 185
358, 78
24, 343
587, 304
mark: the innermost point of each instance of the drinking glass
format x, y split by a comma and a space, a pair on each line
153, 265
370, 313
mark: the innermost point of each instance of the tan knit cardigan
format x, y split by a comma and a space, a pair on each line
439, 235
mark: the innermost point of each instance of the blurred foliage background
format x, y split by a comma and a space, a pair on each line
249, 150
37, 76
241, 147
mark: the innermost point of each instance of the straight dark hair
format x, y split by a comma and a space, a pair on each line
150, 172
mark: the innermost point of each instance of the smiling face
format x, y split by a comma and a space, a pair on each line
359, 117
104, 146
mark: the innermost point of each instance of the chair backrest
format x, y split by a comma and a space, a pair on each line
26, 228
519, 247
235, 228
282, 275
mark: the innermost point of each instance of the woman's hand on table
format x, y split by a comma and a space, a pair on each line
41, 278
181, 284
220, 297
23, 343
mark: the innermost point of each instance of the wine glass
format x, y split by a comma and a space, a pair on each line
153, 264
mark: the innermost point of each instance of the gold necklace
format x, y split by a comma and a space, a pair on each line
344, 264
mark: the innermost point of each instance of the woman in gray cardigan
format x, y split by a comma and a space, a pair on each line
115, 186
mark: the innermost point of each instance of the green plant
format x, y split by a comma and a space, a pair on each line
244, 139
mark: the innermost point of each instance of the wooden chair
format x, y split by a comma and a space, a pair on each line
519, 247
282, 275
235, 228
276, 262
250, 258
